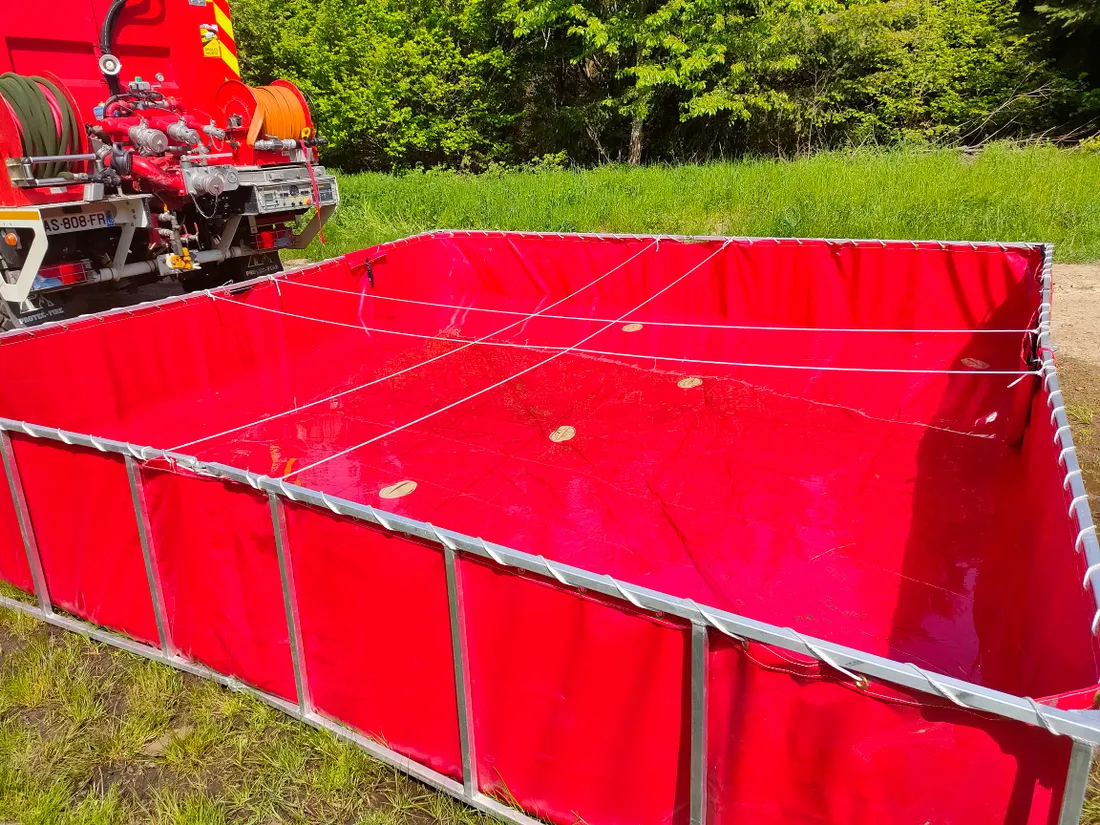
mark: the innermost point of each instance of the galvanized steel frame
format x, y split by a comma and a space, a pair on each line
1081, 726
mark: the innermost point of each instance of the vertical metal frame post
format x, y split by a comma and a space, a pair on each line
290, 604
462, 673
152, 571
699, 649
26, 528
1077, 782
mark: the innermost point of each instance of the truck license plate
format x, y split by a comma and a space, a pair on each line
58, 224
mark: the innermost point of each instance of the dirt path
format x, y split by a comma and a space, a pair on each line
1076, 311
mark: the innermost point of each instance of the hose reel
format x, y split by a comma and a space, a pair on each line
45, 119
272, 113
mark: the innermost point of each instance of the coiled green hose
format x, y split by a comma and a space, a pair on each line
28, 100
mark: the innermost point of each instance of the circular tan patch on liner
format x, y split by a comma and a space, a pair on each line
689, 382
401, 488
631, 327
563, 433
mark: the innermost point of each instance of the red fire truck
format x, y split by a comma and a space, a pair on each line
131, 151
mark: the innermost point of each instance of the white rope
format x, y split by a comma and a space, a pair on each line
553, 571
626, 594
392, 374
510, 378
583, 351
937, 688
377, 516
495, 556
745, 327
818, 653
442, 539
1081, 537
713, 622
285, 490
1043, 721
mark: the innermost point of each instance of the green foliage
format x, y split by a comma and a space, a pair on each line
1072, 14
1001, 193
398, 84
392, 82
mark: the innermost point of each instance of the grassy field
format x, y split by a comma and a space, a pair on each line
93, 736
1002, 194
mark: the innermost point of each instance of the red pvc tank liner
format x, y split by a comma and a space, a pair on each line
846, 438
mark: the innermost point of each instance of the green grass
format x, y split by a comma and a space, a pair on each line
1001, 194
92, 735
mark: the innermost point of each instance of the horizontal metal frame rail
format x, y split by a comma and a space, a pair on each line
751, 239
1083, 726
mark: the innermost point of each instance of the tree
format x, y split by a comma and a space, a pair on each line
392, 83
1072, 14
466, 83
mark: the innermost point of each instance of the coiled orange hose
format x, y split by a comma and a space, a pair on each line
279, 114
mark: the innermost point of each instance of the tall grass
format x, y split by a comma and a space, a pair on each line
1002, 194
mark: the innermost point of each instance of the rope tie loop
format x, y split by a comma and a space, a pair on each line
713, 621
626, 594
1041, 717
553, 571
1081, 537
937, 688
442, 539
284, 489
378, 517
1088, 575
495, 556
861, 681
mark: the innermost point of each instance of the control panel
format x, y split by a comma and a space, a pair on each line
287, 189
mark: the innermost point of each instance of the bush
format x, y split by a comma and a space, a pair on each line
470, 84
